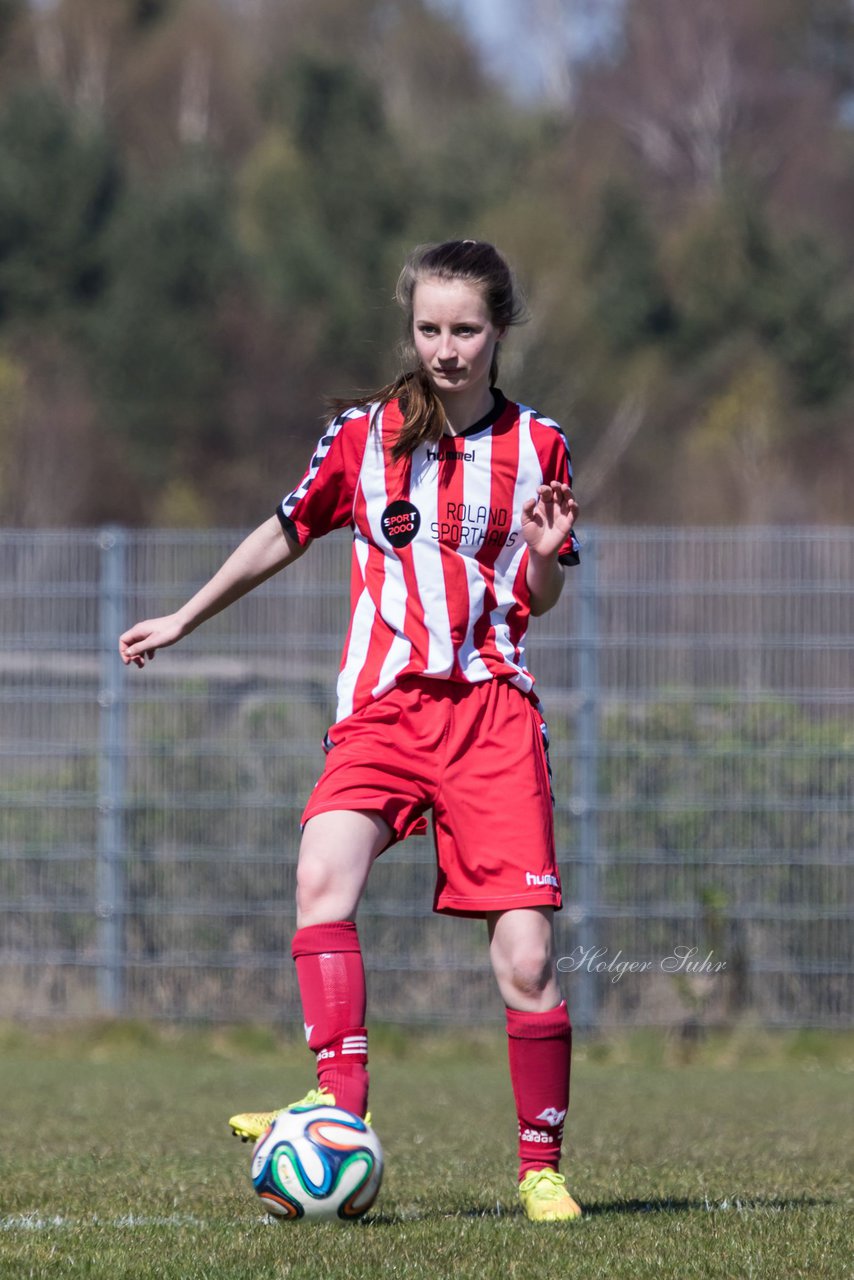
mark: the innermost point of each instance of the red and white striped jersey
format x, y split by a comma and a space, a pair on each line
438, 584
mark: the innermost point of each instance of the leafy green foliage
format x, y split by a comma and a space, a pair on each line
171, 257
806, 313
11, 12
631, 302
59, 187
327, 204
146, 13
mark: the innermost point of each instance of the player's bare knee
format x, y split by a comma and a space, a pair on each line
529, 973
314, 886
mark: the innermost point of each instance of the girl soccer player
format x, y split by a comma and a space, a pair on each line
462, 516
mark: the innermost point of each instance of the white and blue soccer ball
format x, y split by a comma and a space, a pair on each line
318, 1163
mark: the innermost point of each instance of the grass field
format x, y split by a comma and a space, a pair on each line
736, 1162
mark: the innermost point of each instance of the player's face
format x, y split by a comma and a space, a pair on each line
454, 335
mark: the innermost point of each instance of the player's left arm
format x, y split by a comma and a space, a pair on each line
546, 524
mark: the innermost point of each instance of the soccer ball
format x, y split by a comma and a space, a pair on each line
322, 1163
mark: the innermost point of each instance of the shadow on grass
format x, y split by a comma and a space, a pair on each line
737, 1204
496, 1211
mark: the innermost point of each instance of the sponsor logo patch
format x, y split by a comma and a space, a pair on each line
400, 522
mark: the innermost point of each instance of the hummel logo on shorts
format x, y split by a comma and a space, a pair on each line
533, 880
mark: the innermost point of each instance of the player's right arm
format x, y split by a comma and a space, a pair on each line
267, 549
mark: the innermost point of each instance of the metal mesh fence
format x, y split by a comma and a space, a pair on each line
698, 686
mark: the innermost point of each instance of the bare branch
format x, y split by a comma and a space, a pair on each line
615, 440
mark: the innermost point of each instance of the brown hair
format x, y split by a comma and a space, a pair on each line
476, 262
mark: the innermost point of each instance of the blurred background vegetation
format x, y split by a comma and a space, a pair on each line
204, 205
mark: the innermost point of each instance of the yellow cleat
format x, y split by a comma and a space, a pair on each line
251, 1124
545, 1198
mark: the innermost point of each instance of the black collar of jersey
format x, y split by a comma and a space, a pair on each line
499, 404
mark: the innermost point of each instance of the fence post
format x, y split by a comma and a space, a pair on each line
585, 803
112, 763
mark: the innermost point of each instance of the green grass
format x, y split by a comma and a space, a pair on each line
728, 1159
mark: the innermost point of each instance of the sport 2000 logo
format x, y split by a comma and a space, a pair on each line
400, 522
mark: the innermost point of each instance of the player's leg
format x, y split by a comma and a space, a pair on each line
521, 951
336, 854
496, 858
335, 857
539, 1039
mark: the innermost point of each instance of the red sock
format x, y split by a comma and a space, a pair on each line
331, 980
540, 1049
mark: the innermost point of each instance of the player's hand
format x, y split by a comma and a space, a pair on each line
140, 642
548, 518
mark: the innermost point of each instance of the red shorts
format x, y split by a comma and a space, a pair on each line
476, 755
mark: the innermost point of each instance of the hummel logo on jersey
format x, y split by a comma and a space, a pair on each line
433, 455
532, 880
400, 522
552, 1116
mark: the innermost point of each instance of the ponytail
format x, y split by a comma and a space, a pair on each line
424, 420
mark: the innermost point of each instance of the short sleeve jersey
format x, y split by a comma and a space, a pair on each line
438, 585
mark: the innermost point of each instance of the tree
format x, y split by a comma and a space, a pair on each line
722, 89
59, 187
805, 311
631, 305
154, 340
324, 205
